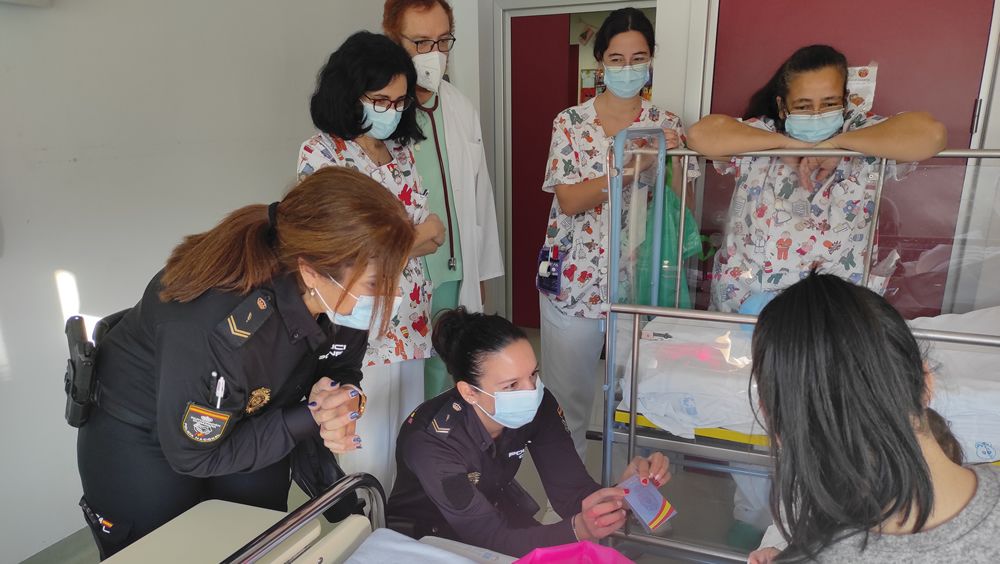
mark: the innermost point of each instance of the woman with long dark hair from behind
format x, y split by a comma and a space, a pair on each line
859, 475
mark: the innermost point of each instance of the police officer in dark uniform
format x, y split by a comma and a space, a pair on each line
248, 343
458, 453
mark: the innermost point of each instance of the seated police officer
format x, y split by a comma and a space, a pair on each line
210, 381
458, 453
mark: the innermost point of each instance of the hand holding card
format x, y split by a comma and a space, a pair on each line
649, 506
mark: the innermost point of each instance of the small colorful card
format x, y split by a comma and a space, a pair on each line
649, 506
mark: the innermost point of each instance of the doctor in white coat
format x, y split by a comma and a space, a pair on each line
452, 166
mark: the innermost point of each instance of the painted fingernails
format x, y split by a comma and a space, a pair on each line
656, 482
312, 404
333, 384
354, 393
355, 415
645, 481
357, 440
626, 491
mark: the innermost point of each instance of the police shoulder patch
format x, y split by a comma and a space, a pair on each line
204, 424
243, 321
459, 490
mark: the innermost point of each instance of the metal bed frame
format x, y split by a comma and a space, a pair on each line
286, 527
634, 437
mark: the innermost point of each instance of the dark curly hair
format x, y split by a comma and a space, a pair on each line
366, 61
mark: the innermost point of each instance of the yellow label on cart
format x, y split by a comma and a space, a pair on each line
707, 432
712, 432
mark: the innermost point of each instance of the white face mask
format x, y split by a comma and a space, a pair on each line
430, 69
515, 409
362, 314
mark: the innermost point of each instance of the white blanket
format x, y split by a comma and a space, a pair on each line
389, 547
697, 374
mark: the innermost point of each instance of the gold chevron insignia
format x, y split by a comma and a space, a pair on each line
236, 330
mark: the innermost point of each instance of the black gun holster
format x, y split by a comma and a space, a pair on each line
80, 380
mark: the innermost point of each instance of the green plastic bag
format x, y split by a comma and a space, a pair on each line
668, 250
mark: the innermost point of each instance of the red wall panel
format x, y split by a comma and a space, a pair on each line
930, 56
541, 70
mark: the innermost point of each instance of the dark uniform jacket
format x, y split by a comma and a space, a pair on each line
454, 481
160, 366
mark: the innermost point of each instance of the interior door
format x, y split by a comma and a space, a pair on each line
930, 57
543, 83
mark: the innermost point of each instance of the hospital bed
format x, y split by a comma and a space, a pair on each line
694, 379
689, 371
211, 530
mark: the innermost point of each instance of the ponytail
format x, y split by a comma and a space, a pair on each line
334, 219
233, 257
463, 340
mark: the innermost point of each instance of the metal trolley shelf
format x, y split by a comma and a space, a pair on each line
748, 449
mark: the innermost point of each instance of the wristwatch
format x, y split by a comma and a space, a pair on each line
362, 399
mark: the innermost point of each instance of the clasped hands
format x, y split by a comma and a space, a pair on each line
821, 167
335, 409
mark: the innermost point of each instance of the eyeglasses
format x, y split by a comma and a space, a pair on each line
383, 104
815, 112
617, 61
427, 45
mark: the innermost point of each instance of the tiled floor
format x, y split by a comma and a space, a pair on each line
703, 502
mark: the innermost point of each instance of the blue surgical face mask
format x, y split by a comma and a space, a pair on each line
362, 314
627, 81
383, 124
815, 128
515, 409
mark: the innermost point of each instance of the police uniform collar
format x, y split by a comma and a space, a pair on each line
475, 425
298, 321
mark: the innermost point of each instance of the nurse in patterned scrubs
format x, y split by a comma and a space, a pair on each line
572, 336
364, 109
789, 215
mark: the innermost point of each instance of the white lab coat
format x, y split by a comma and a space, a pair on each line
473, 193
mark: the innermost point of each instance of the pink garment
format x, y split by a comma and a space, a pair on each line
583, 552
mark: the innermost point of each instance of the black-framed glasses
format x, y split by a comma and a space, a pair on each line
383, 104
427, 45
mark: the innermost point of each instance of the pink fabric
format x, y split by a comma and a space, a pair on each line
583, 552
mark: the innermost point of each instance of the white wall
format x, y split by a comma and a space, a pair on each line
978, 286
463, 62
123, 126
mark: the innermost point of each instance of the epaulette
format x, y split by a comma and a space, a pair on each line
243, 321
446, 418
